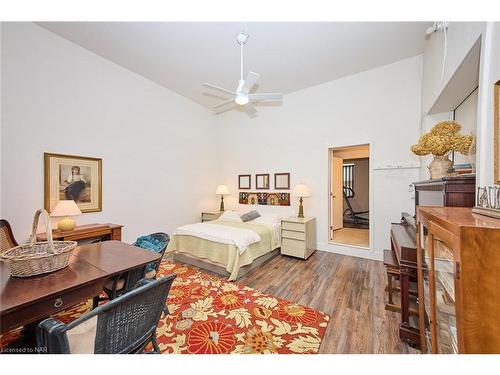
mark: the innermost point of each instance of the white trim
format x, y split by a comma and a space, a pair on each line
350, 251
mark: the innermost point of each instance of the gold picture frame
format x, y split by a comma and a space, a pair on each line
496, 143
73, 177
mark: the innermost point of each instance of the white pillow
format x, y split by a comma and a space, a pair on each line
230, 216
268, 219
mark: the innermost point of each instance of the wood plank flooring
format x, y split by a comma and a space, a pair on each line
352, 236
350, 290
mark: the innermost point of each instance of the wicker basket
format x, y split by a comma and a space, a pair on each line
35, 258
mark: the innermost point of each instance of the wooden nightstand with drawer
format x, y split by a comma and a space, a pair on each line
298, 236
209, 216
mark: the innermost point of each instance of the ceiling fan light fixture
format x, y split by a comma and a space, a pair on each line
241, 99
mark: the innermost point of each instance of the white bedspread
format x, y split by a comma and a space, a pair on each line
241, 238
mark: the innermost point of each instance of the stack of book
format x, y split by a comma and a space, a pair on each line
462, 168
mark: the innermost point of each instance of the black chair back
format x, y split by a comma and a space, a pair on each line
127, 324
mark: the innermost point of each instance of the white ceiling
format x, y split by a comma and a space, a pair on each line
289, 56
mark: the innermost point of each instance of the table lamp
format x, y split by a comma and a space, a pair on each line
301, 191
222, 190
66, 209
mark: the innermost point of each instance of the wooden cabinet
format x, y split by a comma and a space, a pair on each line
209, 216
458, 256
86, 233
456, 191
298, 237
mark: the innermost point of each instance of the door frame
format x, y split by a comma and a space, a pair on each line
370, 195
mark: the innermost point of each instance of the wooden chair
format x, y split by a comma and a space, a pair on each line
123, 283
7, 239
124, 325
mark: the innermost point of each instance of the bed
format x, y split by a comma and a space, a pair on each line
227, 246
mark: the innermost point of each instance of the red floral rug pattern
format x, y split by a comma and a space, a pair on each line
209, 315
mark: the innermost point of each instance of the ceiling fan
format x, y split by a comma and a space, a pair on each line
242, 95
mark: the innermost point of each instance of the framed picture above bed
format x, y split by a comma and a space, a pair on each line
244, 181
282, 181
77, 178
262, 181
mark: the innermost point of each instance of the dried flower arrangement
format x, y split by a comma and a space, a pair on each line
441, 139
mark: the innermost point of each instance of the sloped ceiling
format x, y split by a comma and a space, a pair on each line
289, 56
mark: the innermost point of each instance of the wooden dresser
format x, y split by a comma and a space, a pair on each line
459, 191
458, 255
87, 233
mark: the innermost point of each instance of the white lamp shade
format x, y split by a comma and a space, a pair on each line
301, 190
66, 208
222, 190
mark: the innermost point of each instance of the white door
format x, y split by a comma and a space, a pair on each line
336, 194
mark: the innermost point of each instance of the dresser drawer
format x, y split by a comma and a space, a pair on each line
294, 248
298, 227
49, 306
293, 244
293, 235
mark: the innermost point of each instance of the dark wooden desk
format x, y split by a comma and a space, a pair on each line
27, 300
86, 232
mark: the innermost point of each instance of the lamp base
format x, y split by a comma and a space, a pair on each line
221, 203
301, 209
66, 224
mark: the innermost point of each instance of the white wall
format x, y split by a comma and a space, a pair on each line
489, 74
461, 38
380, 107
1, 121
156, 146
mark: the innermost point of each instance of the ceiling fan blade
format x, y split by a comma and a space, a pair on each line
221, 89
252, 79
250, 110
223, 106
274, 96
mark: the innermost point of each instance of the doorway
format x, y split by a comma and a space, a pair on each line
350, 195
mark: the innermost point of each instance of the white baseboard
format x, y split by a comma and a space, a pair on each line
353, 251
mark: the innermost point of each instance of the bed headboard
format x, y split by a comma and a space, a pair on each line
284, 211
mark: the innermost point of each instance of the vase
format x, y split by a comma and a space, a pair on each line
439, 166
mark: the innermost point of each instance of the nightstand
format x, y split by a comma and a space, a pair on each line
209, 216
298, 236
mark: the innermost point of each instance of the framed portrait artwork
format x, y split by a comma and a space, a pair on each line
496, 108
244, 182
78, 178
282, 181
262, 181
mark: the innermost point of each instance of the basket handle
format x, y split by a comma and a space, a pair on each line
48, 230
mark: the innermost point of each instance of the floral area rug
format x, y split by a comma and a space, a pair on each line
209, 315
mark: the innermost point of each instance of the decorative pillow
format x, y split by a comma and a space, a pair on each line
150, 243
250, 216
230, 216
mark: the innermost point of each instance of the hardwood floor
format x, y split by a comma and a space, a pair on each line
352, 236
350, 290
